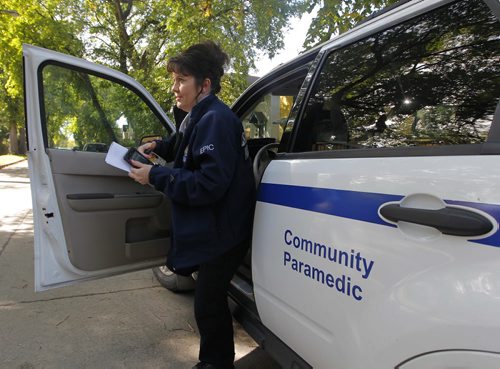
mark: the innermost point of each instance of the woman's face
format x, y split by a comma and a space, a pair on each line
186, 91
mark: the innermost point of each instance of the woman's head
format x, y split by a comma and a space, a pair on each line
197, 71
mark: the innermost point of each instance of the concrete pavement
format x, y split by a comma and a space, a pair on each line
128, 321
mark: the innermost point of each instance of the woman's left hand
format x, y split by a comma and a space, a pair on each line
140, 172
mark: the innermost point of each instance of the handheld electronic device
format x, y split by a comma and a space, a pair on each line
134, 154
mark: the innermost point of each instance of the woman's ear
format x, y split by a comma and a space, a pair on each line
206, 86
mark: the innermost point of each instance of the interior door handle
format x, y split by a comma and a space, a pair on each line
448, 220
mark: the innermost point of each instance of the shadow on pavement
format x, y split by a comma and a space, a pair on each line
257, 358
14, 174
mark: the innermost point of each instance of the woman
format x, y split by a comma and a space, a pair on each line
211, 187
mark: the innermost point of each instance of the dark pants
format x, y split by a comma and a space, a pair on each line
211, 310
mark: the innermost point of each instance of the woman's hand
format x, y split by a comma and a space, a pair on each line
140, 172
148, 146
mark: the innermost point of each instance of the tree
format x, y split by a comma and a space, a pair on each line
337, 16
49, 24
136, 37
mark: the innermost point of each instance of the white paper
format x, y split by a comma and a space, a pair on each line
115, 157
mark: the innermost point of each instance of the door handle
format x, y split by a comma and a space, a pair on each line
448, 220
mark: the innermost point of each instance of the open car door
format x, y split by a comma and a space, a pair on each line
91, 220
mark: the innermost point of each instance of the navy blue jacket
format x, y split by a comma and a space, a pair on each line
211, 186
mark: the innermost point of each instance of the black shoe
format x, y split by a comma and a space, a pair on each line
203, 365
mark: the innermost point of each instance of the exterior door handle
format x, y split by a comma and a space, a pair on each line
448, 220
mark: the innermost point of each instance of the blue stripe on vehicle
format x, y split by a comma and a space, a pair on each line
491, 209
346, 204
362, 206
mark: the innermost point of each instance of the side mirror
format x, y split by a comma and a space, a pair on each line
146, 139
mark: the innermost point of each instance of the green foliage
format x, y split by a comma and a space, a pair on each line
48, 23
84, 109
337, 16
135, 37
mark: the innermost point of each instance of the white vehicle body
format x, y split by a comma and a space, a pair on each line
342, 274
397, 291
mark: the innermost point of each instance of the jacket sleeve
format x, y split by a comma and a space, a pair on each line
165, 148
215, 149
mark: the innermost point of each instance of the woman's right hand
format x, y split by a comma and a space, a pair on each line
148, 146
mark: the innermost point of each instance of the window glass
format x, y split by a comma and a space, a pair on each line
433, 80
266, 119
85, 112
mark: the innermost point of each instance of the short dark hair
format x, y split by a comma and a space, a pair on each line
203, 60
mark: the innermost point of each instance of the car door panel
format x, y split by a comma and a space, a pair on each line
107, 211
316, 210
91, 220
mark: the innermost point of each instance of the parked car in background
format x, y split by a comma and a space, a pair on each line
96, 147
376, 239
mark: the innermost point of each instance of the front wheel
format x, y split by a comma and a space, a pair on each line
172, 281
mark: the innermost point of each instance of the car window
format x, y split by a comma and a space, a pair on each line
432, 80
87, 112
267, 116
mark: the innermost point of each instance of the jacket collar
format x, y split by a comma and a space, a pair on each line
200, 108
194, 116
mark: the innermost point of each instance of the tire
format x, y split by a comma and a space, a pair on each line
172, 281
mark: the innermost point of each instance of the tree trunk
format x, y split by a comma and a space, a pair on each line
97, 105
126, 48
13, 142
22, 141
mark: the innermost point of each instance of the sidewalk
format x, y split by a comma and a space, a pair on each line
122, 322
6, 160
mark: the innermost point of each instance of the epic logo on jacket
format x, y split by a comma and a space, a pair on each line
209, 147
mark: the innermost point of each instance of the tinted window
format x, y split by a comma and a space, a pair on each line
433, 80
85, 112
266, 117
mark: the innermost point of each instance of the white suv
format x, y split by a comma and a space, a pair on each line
376, 238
